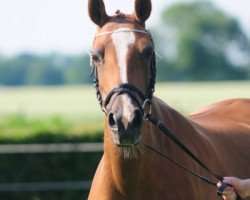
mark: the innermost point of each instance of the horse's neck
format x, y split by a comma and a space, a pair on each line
126, 171
180, 126
121, 171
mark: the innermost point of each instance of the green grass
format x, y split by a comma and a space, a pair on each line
72, 101
188, 97
73, 110
19, 128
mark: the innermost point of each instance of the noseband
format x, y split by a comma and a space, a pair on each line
134, 92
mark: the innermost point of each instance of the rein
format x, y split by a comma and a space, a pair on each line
145, 107
171, 135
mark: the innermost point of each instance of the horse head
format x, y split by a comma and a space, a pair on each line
123, 62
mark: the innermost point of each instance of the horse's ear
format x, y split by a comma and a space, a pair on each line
142, 10
97, 12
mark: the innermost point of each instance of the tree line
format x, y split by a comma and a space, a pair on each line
197, 40
52, 69
202, 43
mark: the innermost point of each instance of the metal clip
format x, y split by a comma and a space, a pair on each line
104, 110
223, 187
146, 108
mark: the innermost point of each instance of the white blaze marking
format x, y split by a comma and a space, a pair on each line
122, 40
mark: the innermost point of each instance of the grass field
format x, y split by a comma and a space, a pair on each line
80, 101
188, 97
74, 109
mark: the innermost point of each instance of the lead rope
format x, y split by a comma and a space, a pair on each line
170, 135
207, 180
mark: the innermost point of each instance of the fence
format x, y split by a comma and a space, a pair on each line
48, 148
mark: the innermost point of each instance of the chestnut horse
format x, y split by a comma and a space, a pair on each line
123, 62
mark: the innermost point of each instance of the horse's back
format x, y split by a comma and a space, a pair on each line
232, 114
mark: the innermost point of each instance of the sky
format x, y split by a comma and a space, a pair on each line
45, 26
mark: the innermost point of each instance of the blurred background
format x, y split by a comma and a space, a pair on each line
46, 95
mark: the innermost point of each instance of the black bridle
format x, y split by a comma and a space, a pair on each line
144, 104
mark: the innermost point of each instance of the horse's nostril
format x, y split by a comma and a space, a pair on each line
112, 122
137, 118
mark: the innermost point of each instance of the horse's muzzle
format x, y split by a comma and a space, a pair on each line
126, 128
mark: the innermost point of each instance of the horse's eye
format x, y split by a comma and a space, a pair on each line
96, 58
148, 51
96, 55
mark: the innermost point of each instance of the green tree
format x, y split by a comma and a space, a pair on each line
79, 71
13, 70
202, 41
42, 70
29, 69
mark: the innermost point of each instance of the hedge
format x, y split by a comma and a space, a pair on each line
16, 168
